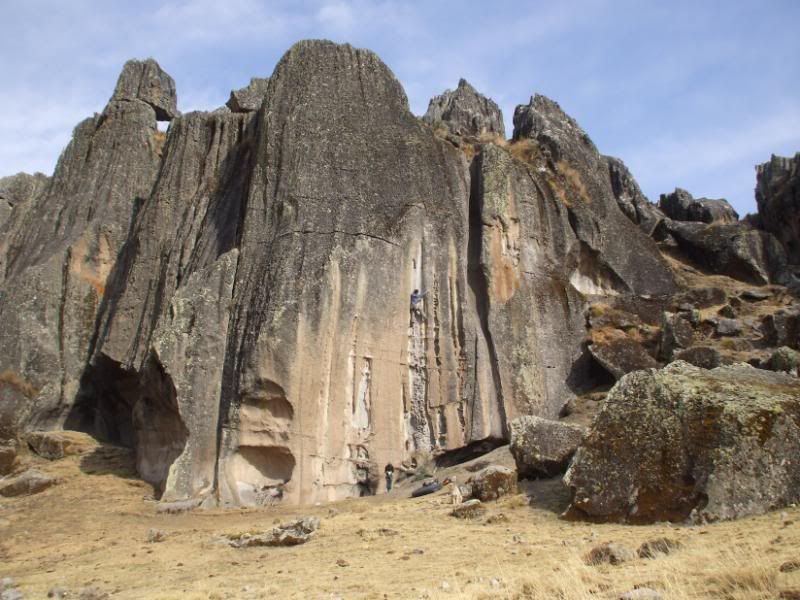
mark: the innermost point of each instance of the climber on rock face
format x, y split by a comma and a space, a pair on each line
416, 301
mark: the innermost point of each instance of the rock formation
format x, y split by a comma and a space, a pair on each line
250, 98
685, 443
465, 112
630, 198
233, 299
778, 201
681, 206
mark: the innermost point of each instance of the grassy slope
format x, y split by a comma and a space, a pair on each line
90, 530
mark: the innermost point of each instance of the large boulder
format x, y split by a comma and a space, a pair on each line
542, 447
681, 206
684, 443
619, 354
493, 482
464, 111
778, 200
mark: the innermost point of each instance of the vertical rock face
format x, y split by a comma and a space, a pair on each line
579, 176
778, 200
58, 255
466, 112
235, 302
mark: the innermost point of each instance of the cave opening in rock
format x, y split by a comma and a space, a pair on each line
104, 404
261, 473
123, 407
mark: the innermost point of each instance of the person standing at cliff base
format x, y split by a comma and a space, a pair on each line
389, 470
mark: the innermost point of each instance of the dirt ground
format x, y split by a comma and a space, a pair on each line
91, 530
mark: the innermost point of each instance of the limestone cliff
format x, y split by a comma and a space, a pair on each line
235, 301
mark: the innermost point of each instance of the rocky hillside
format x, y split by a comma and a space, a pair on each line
233, 300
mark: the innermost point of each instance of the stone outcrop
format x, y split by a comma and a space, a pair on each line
233, 301
250, 98
145, 81
293, 533
27, 483
630, 198
684, 443
542, 447
733, 249
57, 257
778, 201
466, 112
680, 205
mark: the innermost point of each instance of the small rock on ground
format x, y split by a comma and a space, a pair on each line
609, 553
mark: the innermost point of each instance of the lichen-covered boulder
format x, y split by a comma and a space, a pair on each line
493, 482
619, 354
684, 443
543, 448
704, 357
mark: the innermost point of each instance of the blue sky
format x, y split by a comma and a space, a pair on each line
689, 94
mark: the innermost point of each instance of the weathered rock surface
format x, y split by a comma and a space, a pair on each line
699, 356
543, 448
630, 198
619, 354
681, 206
464, 111
27, 483
250, 98
54, 445
8, 456
782, 328
685, 443
493, 482
778, 201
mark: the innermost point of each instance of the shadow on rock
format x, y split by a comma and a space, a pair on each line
547, 494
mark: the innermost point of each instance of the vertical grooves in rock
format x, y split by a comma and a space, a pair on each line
476, 277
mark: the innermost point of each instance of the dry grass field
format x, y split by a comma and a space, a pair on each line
91, 531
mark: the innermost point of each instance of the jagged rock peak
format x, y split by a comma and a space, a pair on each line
145, 80
778, 201
249, 98
682, 206
466, 112
544, 120
19, 188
